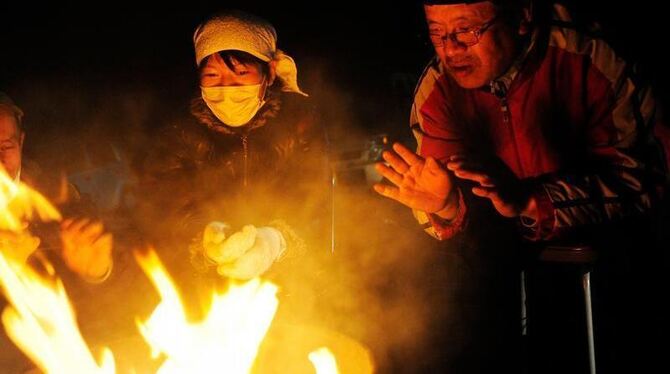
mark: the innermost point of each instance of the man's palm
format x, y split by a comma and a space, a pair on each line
420, 184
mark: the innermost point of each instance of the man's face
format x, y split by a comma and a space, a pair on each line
475, 65
11, 143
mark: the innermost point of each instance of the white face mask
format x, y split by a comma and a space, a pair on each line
234, 105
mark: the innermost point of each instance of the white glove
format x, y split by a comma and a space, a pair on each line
247, 253
220, 249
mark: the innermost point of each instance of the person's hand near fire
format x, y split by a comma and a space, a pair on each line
245, 254
421, 184
87, 249
496, 182
426, 185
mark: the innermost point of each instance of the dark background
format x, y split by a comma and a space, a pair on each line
69, 64
114, 67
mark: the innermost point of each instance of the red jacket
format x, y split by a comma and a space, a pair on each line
568, 119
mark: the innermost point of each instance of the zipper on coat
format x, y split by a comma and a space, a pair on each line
245, 159
500, 91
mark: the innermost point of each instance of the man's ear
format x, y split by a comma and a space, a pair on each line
272, 74
23, 136
525, 26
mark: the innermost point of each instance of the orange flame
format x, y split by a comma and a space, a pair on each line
323, 361
40, 320
227, 340
42, 323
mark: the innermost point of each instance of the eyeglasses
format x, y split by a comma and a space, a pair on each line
466, 37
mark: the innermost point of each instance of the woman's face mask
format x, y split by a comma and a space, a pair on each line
233, 93
235, 105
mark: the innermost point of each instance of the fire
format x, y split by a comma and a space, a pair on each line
19, 203
40, 320
324, 361
226, 340
42, 323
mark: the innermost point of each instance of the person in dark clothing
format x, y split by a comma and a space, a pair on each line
242, 180
239, 184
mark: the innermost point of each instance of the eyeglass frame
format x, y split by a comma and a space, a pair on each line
477, 32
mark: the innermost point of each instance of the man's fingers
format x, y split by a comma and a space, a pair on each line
483, 179
397, 163
487, 192
93, 230
81, 233
462, 164
66, 223
433, 166
410, 157
78, 225
390, 174
386, 190
457, 157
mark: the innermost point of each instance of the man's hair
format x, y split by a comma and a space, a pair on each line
496, 2
505, 5
7, 104
507, 9
445, 2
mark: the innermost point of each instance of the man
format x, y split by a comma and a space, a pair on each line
11, 136
543, 124
86, 249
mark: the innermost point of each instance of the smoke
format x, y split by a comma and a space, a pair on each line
386, 283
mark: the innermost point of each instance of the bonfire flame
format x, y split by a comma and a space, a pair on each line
323, 361
19, 204
42, 322
226, 340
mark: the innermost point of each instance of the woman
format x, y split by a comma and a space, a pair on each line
250, 155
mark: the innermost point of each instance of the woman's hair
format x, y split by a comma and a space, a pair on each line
244, 58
